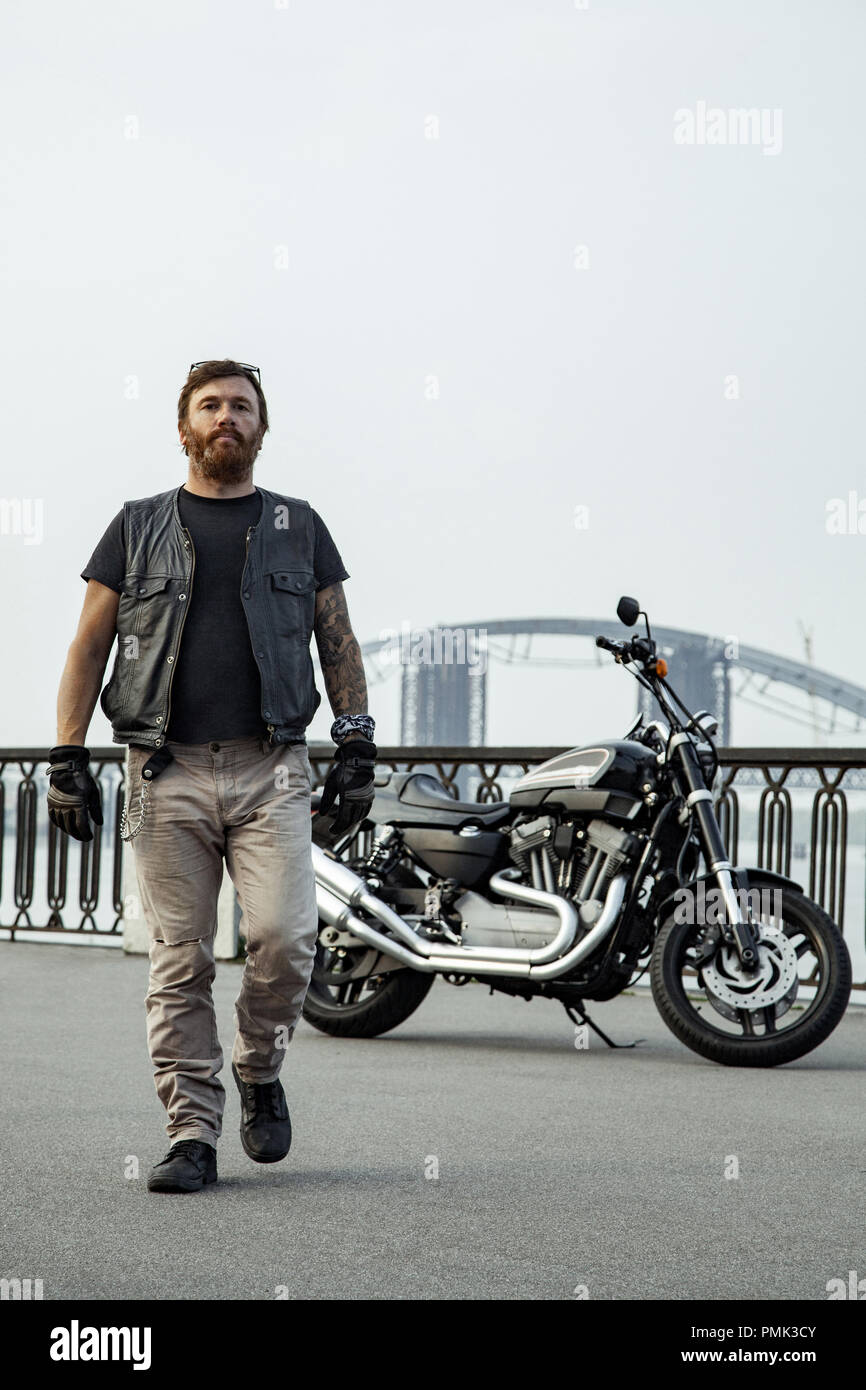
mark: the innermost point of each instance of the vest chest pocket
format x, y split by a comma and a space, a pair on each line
144, 602
293, 601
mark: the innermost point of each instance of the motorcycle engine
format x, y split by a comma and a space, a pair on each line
565, 859
576, 859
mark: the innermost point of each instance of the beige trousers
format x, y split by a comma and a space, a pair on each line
248, 804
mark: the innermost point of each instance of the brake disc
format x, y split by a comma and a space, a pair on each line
773, 986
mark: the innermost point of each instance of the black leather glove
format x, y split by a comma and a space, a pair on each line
73, 793
350, 784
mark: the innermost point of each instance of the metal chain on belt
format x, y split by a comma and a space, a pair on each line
136, 829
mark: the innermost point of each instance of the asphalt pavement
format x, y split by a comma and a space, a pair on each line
473, 1153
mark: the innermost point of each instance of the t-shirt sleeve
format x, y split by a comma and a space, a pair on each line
327, 563
107, 564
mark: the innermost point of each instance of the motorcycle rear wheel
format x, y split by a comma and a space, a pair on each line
751, 1038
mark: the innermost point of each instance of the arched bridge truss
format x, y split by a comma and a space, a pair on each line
445, 668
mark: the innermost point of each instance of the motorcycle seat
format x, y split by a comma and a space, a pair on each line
422, 789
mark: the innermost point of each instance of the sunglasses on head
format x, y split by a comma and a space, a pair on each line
246, 366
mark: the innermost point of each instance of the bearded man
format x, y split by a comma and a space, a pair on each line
213, 590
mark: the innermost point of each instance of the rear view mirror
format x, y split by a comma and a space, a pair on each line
627, 610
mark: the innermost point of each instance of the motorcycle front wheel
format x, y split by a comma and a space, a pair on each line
794, 1002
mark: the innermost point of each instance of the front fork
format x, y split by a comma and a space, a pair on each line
739, 931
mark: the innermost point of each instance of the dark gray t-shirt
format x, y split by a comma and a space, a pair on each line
216, 688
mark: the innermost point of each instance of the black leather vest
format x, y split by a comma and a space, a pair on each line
278, 591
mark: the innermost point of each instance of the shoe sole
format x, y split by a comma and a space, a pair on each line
169, 1186
256, 1158
260, 1158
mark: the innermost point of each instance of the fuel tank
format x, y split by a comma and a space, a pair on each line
604, 778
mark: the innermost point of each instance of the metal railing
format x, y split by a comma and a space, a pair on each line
777, 807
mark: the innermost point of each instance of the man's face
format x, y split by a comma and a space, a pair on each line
223, 429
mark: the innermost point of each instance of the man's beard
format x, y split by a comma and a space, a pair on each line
221, 460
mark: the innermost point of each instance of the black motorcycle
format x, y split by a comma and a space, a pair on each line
584, 879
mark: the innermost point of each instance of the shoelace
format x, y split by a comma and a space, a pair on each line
184, 1146
263, 1100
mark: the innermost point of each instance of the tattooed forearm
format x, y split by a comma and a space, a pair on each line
339, 653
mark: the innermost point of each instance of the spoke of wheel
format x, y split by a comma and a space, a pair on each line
746, 1023
770, 1020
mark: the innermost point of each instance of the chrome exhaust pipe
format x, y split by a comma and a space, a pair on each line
348, 886
350, 890
339, 915
431, 957
569, 919
603, 927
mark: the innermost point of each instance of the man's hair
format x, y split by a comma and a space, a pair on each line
209, 371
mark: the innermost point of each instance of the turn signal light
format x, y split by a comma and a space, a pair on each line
661, 667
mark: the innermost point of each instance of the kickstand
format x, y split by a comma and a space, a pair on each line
583, 1017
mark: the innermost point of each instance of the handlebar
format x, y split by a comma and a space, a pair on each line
641, 649
642, 652
617, 647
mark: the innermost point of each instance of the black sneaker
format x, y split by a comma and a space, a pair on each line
190, 1164
266, 1130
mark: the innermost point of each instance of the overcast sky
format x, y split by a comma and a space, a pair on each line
487, 285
